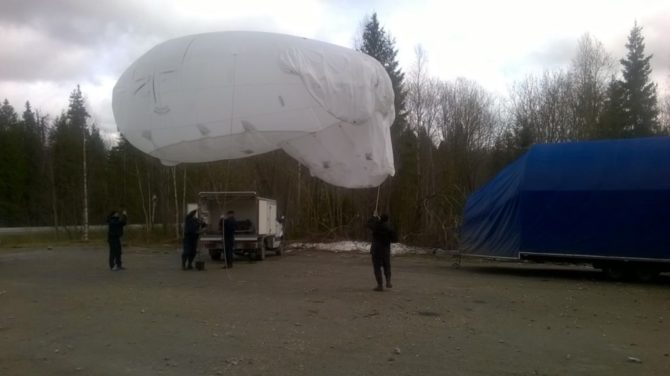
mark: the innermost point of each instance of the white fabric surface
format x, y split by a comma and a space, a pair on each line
229, 95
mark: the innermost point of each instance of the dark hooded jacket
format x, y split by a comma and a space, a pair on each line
115, 225
383, 234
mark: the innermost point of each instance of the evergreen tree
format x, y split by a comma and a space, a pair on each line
33, 196
8, 116
614, 118
11, 169
66, 141
378, 44
639, 93
20, 155
28, 118
96, 152
77, 114
403, 197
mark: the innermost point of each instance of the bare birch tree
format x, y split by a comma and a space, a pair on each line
591, 69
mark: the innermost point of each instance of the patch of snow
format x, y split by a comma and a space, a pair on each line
362, 247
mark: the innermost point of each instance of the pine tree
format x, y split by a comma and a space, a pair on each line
12, 170
402, 199
640, 103
99, 198
67, 139
378, 44
33, 198
77, 114
8, 116
614, 118
29, 119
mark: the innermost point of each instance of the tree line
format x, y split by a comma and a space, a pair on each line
449, 137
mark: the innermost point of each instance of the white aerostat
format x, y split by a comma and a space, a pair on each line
229, 95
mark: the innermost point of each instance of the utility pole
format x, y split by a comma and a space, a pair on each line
85, 238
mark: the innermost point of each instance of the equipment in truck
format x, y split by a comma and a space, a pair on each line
258, 228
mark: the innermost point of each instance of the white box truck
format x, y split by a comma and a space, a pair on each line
258, 228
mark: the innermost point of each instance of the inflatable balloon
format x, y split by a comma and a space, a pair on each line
229, 95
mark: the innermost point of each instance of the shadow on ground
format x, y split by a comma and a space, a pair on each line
547, 271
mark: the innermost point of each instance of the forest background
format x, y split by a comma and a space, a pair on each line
449, 138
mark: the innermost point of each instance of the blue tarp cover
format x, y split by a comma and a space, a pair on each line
593, 198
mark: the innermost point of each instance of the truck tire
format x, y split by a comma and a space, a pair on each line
260, 252
215, 254
279, 250
269, 243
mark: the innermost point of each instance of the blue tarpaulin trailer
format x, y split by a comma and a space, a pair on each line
601, 202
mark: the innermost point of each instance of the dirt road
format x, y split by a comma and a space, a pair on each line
62, 312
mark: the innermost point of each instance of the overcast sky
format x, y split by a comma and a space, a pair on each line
47, 47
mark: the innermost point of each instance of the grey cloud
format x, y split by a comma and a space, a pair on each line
77, 22
66, 42
67, 39
76, 39
554, 55
656, 32
369, 6
96, 22
558, 54
47, 61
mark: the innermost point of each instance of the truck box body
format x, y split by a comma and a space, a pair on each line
257, 225
595, 200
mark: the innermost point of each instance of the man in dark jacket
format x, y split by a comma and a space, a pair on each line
229, 227
383, 235
115, 223
192, 226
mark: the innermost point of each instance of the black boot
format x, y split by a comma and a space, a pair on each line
378, 277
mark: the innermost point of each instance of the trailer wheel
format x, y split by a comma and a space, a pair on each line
215, 254
646, 273
616, 272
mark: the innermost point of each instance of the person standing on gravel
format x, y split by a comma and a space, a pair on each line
192, 226
383, 235
115, 223
228, 226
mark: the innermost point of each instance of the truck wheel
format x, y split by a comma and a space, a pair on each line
215, 254
279, 250
260, 252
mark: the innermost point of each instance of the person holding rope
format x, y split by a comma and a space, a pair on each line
228, 225
115, 222
383, 235
192, 226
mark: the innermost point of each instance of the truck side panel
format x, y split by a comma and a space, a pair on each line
272, 218
267, 216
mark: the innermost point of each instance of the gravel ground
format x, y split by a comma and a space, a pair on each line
62, 312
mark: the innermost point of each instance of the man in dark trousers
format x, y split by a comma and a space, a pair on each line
229, 226
192, 226
115, 223
383, 235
